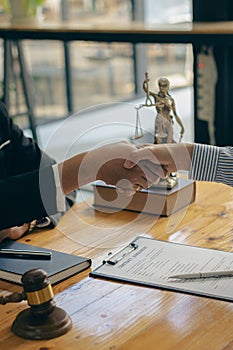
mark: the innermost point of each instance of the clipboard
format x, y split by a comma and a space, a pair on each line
149, 262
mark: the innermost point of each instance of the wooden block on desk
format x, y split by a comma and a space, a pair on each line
155, 200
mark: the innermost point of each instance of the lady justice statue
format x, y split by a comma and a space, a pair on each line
166, 111
164, 121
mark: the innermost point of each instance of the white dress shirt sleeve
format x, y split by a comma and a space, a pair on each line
60, 197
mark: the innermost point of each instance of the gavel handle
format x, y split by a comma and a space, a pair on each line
12, 298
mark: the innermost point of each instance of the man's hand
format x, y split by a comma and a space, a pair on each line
161, 159
13, 232
107, 163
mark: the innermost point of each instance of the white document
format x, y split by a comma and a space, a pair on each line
150, 262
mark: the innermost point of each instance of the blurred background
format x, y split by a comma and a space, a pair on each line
101, 72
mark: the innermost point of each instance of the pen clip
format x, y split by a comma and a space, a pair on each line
113, 258
4, 144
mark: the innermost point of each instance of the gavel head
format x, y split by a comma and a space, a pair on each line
43, 320
38, 291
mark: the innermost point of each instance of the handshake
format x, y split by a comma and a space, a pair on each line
133, 167
129, 167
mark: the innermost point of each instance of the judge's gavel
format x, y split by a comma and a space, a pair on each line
43, 320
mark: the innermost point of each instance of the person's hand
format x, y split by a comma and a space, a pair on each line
113, 172
107, 164
161, 159
156, 157
13, 232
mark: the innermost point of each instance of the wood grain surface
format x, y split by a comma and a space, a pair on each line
111, 316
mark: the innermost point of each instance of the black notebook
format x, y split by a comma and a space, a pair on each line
59, 267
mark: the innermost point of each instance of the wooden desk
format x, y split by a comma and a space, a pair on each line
108, 315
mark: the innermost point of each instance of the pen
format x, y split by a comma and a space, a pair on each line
228, 273
25, 254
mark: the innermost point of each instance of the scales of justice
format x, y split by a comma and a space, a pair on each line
165, 107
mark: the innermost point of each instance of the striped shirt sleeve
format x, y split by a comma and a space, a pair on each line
212, 163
